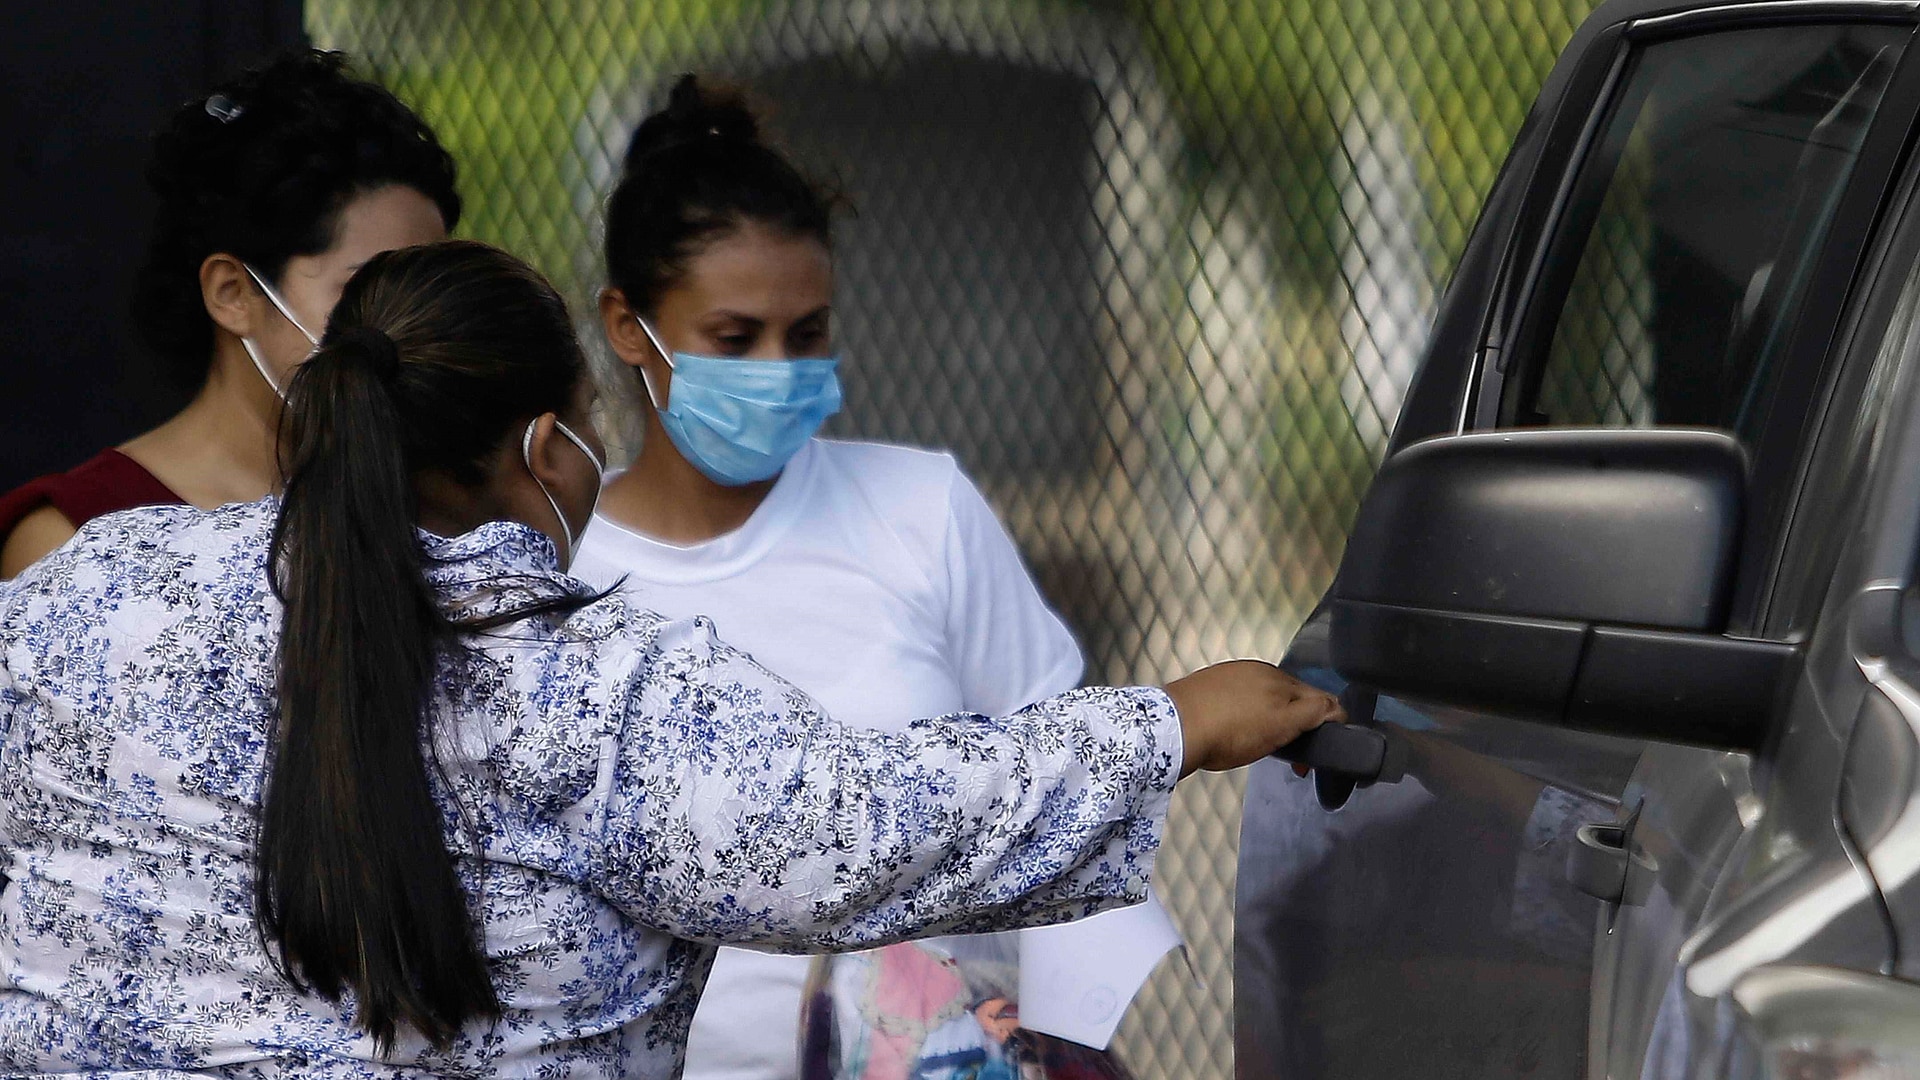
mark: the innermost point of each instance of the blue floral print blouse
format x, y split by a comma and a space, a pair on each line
623, 792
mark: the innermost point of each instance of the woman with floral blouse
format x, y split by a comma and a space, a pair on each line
357, 782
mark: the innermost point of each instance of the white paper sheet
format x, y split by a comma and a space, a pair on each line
1077, 979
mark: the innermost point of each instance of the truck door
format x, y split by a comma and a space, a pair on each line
1669, 246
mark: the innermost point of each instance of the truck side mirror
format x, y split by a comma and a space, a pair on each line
1574, 576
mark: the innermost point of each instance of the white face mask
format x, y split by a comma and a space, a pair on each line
280, 305
599, 467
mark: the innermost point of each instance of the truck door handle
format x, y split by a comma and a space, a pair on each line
1353, 752
1602, 863
1597, 862
1349, 755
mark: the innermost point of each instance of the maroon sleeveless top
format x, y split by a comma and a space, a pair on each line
109, 481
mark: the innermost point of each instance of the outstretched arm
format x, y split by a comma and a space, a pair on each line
739, 813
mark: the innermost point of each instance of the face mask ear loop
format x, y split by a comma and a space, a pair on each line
599, 467
664, 355
260, 365
253, 351
273, 297
526, 455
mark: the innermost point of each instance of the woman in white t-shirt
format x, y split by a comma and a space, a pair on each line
874, 577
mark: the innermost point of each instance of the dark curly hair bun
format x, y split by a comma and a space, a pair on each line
260, 169
695, 170
694, 115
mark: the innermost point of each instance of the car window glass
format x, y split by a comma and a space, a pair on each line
1689, 238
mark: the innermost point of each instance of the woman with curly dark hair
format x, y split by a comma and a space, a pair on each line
273, 190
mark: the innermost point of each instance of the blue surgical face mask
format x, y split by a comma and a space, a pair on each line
280, 305
741, 421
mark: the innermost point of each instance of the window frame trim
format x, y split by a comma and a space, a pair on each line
1887, 286
1786, 439
1742, 13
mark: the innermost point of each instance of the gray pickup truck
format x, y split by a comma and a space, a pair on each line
1629, 623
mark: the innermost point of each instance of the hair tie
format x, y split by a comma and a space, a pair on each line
377, 349
224, 109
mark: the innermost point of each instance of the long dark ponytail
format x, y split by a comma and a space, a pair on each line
432, 358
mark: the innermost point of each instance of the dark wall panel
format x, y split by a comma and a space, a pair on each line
83, 85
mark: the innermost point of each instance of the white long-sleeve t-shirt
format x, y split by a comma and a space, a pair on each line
877, 579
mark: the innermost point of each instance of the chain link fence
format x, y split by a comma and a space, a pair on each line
1158, 271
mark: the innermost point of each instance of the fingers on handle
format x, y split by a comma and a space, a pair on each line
1306, 713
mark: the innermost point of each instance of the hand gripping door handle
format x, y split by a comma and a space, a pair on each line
1356, 753
1349, 755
